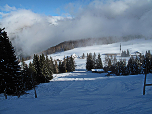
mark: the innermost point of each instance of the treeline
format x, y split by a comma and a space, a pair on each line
136, 65
68, 45
93, 62
125, 54
43, 67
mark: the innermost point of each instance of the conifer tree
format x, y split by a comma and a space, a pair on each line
10, 75
42, 68
37, 69
26, 74
48, 67
99, 62
56, 67
106, 60
146, 64
109, 63
127, 52
68, 64
132, 66
31, 68
52, 65
42, 64
60, 67
72, 63
89, 63
94, 61
64, 65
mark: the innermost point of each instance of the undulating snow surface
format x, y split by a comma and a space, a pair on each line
82, 92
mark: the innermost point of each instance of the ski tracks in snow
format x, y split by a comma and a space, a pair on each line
86, 92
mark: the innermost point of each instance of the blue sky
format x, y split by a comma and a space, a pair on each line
47, 7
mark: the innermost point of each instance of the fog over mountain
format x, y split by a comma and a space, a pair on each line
34, 32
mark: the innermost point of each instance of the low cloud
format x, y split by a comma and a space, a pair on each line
33, 32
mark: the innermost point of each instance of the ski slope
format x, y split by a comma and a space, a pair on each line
82, 92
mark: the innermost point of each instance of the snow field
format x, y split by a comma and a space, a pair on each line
82, 92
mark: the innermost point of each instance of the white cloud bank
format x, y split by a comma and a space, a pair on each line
33, 32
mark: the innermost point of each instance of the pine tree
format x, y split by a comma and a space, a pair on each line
109, 62
42, 64
56, 67
127, 53
146, 64
42, 68
89, 63
10, 74
31, 68
99, 62
132, 66
68, 64
106, 60
37, 70
26, 74
46, 70
51, 63
60, 67
94, 61
72, 63
48, 66
64, 65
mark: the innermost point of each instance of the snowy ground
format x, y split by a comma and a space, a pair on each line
82, 92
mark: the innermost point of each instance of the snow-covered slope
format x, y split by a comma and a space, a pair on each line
140, 45
82, 92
